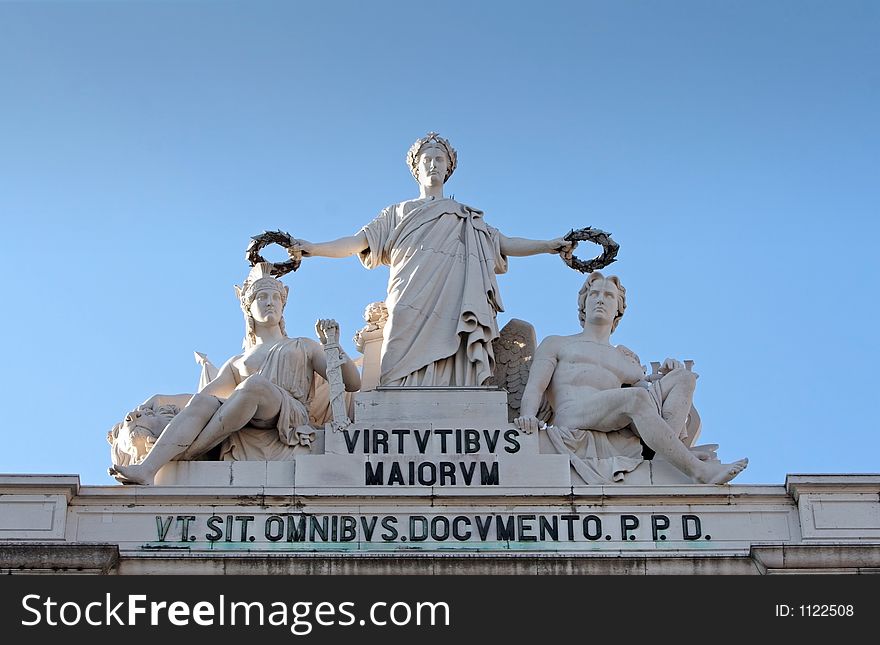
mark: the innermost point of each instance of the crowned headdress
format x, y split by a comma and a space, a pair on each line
259, 278
431, 139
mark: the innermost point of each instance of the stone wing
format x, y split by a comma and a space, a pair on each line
514, 349
209, 370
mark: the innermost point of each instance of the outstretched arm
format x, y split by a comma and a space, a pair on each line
521, 246
341, 248
159, 400
540, 375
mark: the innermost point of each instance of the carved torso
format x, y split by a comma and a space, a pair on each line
585, 366
251, 360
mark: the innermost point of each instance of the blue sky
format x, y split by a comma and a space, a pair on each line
730, 148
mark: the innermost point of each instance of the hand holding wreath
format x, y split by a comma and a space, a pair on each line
264, 239
589, 234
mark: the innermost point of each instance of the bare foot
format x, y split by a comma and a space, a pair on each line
723, 473
134, 474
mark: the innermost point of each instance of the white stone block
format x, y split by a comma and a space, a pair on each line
536, 470
329, 471
662, 472
280, 473
226, 473
841, 516
32, 517
641, 476
479, 406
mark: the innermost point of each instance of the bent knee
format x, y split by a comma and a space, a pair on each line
205, 403
256, 389
255, 383
640, 401
682, 377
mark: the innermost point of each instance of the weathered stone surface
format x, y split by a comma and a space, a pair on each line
226, 473
590, 529
31, 558
827, 514
438, 405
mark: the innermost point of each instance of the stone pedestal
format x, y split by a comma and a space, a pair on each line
430, 437
372, 351
426, 438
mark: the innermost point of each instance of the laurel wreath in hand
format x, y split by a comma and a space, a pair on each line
264, 239
594, 235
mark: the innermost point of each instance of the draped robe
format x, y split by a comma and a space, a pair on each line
289, 368
442, 294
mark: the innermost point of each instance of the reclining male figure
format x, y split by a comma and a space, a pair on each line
583, 376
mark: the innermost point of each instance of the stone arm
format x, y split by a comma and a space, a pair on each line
341, 248
521, 246
350, 375
540, 375
160, 400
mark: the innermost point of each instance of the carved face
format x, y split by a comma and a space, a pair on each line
375, 312
601, 302
267, 306
433, 163
131, 440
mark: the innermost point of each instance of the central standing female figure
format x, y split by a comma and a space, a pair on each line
442, 294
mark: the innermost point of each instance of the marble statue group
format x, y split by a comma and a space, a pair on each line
437, 328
